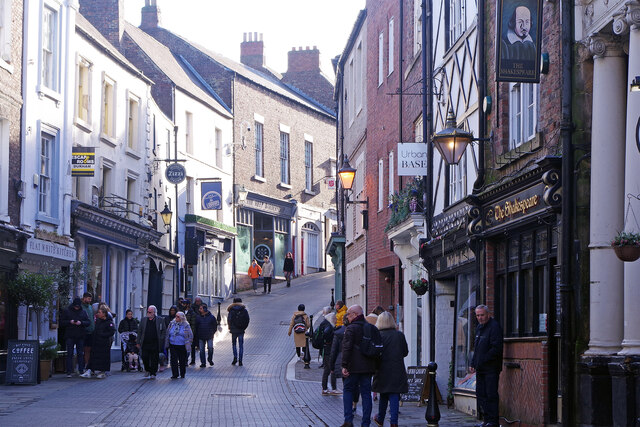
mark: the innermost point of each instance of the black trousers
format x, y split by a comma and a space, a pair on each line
194, 345
267, 282
487, 393
150, 359
178, 360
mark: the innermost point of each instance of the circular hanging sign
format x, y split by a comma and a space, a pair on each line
175, 173
261, 251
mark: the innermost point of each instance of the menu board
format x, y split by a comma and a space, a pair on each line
22, 362
417, 376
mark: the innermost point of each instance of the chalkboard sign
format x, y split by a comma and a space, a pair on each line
417, 376
22, 362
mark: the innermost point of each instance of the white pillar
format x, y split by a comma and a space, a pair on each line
607, 197
631, 342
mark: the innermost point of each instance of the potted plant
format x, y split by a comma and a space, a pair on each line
626, 245
48, 352
419, 286
37, 290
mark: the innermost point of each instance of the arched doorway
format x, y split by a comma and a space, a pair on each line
154, 296
310, 247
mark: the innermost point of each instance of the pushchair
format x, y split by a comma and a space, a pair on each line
130, 357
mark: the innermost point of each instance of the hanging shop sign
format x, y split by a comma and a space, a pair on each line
83, 161
518, 41
211, 195
412, 159
175, 173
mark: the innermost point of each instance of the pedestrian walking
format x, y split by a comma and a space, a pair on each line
326, 327
88, 308
267, 274
75, 321
336, 359
391, 377
298, 325
151, 335
486, 363
341, 310
254, 273
100, 360
288, 268
372, 317
356, 367
192, 315
206, 326
178, 339
173, 310
238, 321
167, 320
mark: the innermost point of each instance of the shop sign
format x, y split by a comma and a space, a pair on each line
331, 183
517, 206
83, 161
175, 173
412, 159
455, 259
267, 207
211, 193
50, 249
22, 362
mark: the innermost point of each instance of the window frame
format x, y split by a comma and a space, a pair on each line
133, 115
380, 59
6, 35
285, 172
52, 81
5, 143
259, 148
417, 27
218, 146
458, 180
108, 109
380, 185
391, 174
51, 194
83, 91
522, 116
188, 132
456, 22
308, 165
391, 38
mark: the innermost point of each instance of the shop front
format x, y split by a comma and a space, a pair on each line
515, 227
264, 227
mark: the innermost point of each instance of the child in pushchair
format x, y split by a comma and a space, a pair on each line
130, 358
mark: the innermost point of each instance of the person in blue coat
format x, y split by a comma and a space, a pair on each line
206, 326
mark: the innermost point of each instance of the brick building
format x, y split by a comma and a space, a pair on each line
10, 159
283, 148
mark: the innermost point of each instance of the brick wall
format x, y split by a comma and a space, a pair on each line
107, 16
11, 106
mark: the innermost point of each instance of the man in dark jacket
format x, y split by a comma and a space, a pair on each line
87, 298
191, 316
75, 321
150, 340
238, 320
206, 326
326, 332
357, 369
487, 364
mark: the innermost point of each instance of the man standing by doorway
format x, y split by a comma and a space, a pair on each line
88, 331
487, 364
151, 333
267, 274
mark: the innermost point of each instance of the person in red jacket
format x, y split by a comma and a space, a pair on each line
254, 273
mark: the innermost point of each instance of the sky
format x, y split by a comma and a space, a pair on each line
219, 25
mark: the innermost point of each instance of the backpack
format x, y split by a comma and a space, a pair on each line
299, 325
241, 319
317, 340
371, 344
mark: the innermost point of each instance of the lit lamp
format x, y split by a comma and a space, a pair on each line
635, 84
346, 174
452, 141
242, 193
166, 215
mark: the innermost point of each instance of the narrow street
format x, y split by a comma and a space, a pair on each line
266, 391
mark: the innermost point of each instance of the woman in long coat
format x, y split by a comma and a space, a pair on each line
179, 338
391, 378
100, 360
299, 339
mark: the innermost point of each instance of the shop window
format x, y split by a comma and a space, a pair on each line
95, 284
523, 283
467, 290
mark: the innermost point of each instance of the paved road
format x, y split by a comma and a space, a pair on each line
264, 392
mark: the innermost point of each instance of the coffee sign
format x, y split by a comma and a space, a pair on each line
22, 362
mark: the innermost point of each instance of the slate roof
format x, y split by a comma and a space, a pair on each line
92, 33
171, 67
255, 76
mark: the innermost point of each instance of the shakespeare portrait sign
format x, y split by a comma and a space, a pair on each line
518, 40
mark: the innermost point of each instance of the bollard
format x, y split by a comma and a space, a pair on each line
432, 414
332, 301
219, 318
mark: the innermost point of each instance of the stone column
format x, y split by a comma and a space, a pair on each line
628, 22
607, 196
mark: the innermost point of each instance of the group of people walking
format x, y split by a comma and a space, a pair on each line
266, 271
91, 333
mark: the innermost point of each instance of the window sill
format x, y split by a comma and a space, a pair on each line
283, 185
259, 178
49, 93
108, 140
520, 151
133, 153
309, 192
6, 65
47, 219
84, 126
5, 218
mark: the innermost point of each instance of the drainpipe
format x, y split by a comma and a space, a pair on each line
482, 76
566, 286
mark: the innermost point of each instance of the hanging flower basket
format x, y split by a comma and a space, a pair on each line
626, 245
419, 286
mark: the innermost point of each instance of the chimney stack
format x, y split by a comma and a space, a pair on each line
252, 50
150, 15
304, 60
107, 16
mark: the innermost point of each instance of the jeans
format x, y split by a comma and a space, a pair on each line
240, 338
178, 360
393, 400
326, 361
194, 345
351, 384
78, 343
150, 358
487, 393
267, 281
255, 284
209, 344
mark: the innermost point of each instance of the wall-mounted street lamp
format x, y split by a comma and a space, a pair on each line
166, 215
346, 174
452, 141
242, 194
